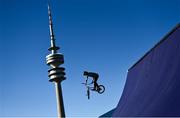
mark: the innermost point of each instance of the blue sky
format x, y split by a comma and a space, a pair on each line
104, 36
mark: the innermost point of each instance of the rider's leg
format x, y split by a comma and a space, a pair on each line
95, 83
94, 86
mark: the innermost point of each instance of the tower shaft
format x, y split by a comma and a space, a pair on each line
59, 99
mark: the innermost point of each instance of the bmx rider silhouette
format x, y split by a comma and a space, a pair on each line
94, 76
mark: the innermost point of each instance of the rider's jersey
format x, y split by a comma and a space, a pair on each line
94, 75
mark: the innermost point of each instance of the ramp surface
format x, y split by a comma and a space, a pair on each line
153, 84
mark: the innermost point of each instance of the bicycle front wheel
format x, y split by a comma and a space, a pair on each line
88, 93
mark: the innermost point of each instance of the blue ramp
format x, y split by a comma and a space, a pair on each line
153, 84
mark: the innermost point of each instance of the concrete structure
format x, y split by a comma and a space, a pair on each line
56, 73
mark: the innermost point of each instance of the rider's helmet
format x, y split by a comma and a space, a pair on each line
85, 73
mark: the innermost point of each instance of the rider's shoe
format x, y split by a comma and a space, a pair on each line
93, 89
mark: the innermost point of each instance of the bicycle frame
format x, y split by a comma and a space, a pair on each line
99, 90
89, 87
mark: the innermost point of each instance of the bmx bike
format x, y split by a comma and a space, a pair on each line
100, 89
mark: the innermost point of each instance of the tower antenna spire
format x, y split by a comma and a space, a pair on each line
53, 47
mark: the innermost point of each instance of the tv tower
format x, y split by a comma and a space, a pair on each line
56, 73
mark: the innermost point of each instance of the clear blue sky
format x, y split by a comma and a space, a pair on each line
105, 36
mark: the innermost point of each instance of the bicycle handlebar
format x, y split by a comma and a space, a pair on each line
87, 83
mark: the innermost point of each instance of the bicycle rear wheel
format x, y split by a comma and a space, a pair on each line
101, 89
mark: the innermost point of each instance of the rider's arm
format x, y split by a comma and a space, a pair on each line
87, 79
